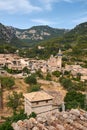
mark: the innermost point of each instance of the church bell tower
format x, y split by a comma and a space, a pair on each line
59, 59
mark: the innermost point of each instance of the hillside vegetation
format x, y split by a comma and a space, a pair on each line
38, 33
27, 37
72, 43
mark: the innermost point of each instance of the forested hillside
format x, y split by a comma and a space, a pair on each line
73, 44
28, 37
36, 34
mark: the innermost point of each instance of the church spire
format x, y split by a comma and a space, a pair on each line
60, 52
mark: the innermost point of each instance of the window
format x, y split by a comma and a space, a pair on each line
37, 103
46, 101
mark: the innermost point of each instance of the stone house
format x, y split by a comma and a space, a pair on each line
75, 69
24, 62
40, 47
39, 102
15, 65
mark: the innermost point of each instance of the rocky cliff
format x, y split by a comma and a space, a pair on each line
7, 33
35, 34
38, 33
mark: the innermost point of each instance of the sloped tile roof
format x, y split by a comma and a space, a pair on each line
37, 96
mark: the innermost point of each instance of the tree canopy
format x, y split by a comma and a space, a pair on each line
7, 82
74, 99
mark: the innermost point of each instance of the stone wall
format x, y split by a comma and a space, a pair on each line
42, 109
38, 107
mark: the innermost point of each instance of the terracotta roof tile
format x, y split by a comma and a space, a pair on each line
37, 96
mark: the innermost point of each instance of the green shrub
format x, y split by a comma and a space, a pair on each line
32, 115
6, 126
70, 85
7, 82
39, 74
74, 99
56, 73
34, 88
67, 73
15, 100
31, 80
14, 118
48, 76
26, 70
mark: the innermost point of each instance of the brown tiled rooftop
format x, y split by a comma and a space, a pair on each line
37, 96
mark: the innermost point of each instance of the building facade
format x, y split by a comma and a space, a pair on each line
55, 62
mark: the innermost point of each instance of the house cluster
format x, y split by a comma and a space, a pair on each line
52, 64
14, 62
75, 69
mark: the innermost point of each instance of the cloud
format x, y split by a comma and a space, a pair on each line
43, 22
25, 6
14, 6
69, 1
48, 3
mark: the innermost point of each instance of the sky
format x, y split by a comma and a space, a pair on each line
24, 14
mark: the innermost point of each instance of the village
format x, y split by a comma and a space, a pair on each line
43, 65
14, 62
54, 63
50, 98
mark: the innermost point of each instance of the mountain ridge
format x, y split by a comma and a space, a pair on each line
73, 43
29, 36
37, 34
